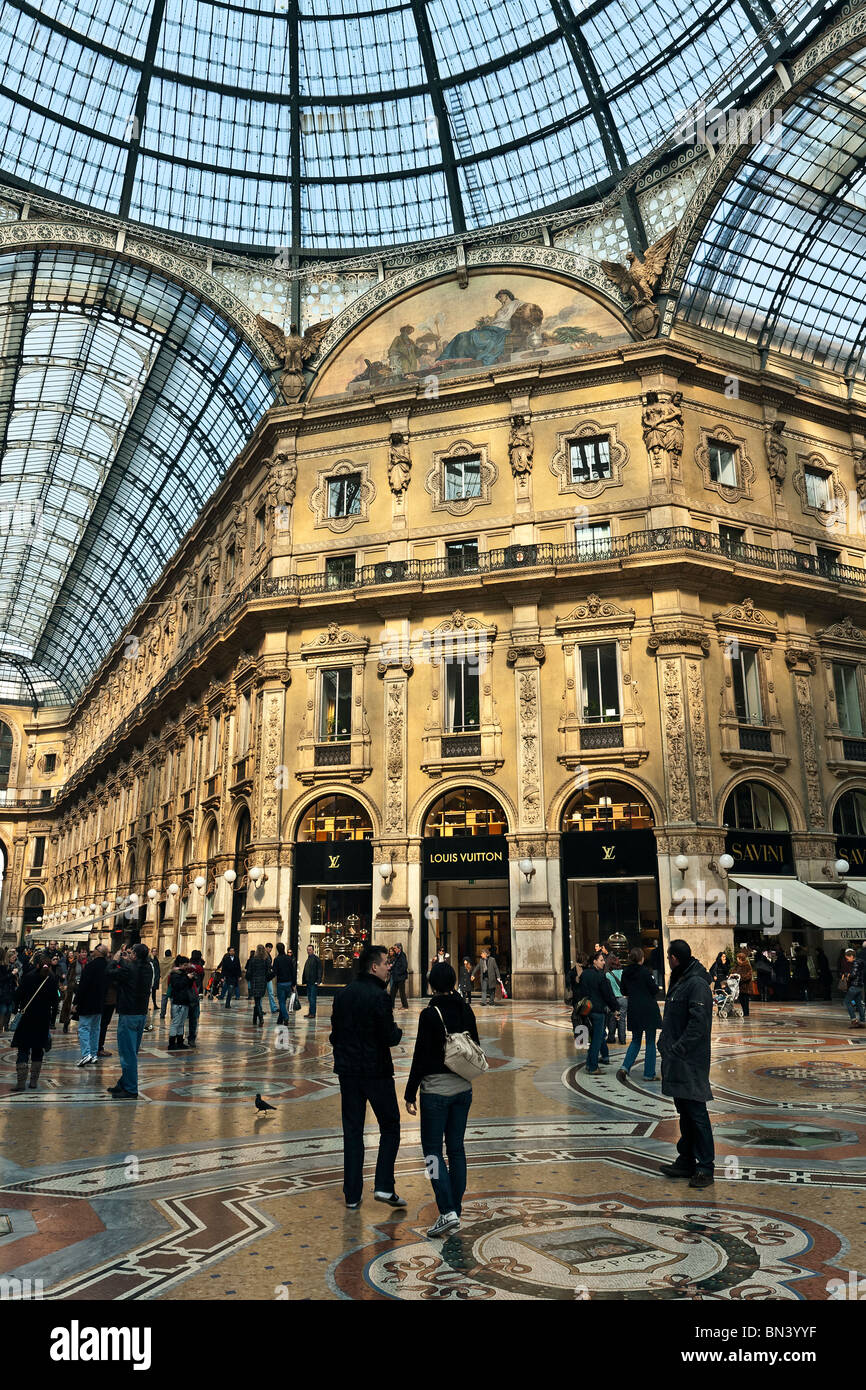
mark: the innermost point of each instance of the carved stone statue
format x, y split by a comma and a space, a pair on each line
860, 471
521, 444
399, 465
638, 281
777, 454
294, 352
663, 430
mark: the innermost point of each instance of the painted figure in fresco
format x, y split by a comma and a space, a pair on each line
403, 352
485, 342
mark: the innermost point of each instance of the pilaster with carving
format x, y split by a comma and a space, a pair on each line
802, 665
681, 648
526, 662
395, 681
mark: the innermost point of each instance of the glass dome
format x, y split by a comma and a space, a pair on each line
322, 126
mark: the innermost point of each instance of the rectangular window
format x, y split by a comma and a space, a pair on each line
462, 556
344, 495
462, 478
599, 678
589, 459
340, 571
462, 697
817, 489
730, 540
38, 851
213, 743
723, 463
746, 676
50, 763
260, 527
190, 760
335, 719
848, 710
230, 564
243, 742
593, 542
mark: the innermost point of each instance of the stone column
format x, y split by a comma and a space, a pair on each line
393, 918
261, 920
802, 665
533, 922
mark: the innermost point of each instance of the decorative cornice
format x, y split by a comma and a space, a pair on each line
679, 637
533, 652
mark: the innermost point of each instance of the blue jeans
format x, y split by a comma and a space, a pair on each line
130, 1028
272, 999
312, 992
444, 1118
88, 1034
854, 1003
649, 1061
598, 1041
284, 991
228, 986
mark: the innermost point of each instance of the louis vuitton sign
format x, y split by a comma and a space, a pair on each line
466, 856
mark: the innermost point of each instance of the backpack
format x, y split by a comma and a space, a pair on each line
463, 1056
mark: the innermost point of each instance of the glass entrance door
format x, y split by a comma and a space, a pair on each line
468, 932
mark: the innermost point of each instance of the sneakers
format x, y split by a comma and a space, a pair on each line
85, 1061
622, 1074
353, 1206
674, 1170
447, 1223
390, 1199
701, 1179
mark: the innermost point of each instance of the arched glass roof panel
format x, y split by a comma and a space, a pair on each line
336, 123
781, 259
123, 400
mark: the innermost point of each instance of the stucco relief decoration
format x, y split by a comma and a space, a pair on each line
560, 463
859, 460
834, 505
399, 464
281, 489
597, 610
270, 763
844, 631
395, 718
700, 749
745, 614
743, 466
777, 454
808, 743
500, 318
675, 742
663, 429
530, 789
319, 496
800, 656
679, 637
294, 351
521, 445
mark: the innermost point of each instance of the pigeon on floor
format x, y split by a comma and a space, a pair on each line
263, 1104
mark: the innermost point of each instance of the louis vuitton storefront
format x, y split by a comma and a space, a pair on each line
332, 896
609, 871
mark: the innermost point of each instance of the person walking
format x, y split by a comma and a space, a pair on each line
196, 961
781, 976
595, 986
258, 974
685, 1049
747, 980
616, 1022
363, 1032
764, 974
312, 978
230, 970
853, 980
131, 973
488, 972
445, 1096
8, 989
37, 1002
721, 969
639, 988
154, 970
399, 974
164, 972
181, 982
286, 978
465, 979
72, 971
825, 977
108, 1007
89, 1000
272, 996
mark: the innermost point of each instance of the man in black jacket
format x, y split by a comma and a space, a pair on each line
685, 1048
89, 1001
230, 973
363, 1032
132, 974
399, 974
595, 986
312, 978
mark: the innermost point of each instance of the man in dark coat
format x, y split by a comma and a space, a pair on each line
90, 1001
685, 1049
230, 971
399, 974
37, 1000
595, 986
312, 978
488, 971
363, 1032
132, 974
638, 984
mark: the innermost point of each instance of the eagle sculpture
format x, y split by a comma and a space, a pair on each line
294, 351
638, 280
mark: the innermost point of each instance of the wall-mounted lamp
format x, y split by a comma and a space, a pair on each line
230, 876
199, 882
388, 871
152, 895
841, 866
527, 868
173, 889
681, 863
257, 875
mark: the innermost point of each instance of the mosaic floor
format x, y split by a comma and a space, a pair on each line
189, 1194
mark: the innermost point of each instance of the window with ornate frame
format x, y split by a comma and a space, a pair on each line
724, 462
461, 477
342, 496
816, 482
589, 457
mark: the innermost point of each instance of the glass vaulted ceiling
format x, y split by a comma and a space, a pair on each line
123, 400
333, 124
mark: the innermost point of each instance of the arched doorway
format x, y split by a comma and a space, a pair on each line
758, 840
332, 897
243, 835
464, 868
34, 911
609, 869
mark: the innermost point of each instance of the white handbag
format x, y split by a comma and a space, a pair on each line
463, 1056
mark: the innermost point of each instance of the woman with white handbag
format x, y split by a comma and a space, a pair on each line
446, 1059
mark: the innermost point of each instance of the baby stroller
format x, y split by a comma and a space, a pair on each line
726, 995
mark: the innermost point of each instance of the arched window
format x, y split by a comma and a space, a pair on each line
335, 818
849, 817
607, 806
5, 755
465, 811
755, 806
34, 903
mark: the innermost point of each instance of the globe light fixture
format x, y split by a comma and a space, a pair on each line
726, 862
256, 874
230, 876
199, 882
681, 863
527, 868
152, 894
841, 866
173, 890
